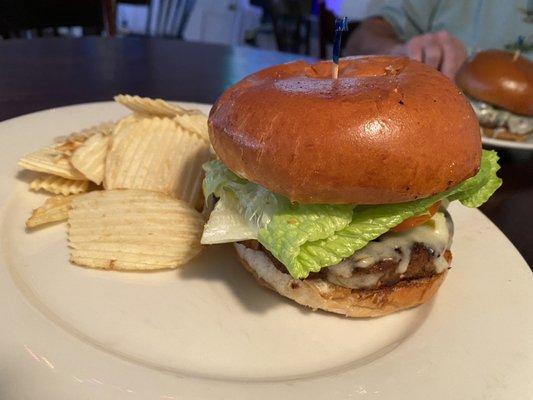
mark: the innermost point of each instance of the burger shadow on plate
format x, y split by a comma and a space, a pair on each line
219, 263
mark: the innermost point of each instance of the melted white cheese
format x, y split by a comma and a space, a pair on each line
434, 234
226, 224
492, 117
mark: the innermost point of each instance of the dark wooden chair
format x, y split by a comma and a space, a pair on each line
291, 20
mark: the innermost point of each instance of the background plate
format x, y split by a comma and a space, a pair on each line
209, 331
528, 145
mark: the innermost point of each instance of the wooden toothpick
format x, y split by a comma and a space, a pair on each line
519, 44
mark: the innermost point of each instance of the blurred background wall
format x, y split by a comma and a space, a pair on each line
297, 26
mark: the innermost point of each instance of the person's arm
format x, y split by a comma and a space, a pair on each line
440, 50
372, 36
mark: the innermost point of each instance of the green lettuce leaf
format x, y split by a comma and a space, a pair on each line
217, 176
256, 204
476, 190
367, 223
295, 225
306, 238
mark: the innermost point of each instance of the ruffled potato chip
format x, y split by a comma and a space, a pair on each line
68, 144
54, 209
132, 230
193, 153
56, 158
195, 122
148, 106
156, 154
59, 185
89, 158
51, 160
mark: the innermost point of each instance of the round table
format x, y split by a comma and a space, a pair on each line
45, 73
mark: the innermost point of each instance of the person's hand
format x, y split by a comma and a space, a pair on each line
440, 50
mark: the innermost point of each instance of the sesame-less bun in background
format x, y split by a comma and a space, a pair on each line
499, 78
388, 130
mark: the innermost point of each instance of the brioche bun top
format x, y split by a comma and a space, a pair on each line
388, 130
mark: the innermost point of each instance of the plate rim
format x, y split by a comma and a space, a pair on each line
526, 146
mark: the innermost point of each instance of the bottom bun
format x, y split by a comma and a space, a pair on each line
324, 295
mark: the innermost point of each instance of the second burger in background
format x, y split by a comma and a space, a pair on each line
500, 87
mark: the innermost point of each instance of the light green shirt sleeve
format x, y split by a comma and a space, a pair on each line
408, 17
478, 24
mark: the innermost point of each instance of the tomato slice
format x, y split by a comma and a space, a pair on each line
418, 220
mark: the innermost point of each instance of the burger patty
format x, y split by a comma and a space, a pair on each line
384, 272
421, 265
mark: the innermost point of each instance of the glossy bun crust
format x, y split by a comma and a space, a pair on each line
387, 130
496, 77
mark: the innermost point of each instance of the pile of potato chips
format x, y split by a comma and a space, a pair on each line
131, 190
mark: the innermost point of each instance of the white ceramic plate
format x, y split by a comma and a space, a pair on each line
528, 145
210, 331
